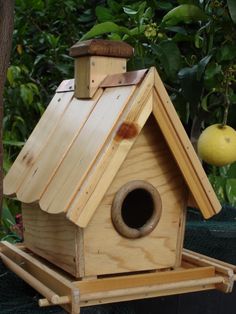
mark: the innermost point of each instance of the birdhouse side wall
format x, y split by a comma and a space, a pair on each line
105, 250
54, 238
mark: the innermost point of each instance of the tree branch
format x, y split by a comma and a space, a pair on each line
6, 30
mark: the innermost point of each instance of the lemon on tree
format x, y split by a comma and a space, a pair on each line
217, 145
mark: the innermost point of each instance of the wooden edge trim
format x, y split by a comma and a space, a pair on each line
199, 256
148, 285
123, 79
223, 269
193, 164
66, 86
152, 288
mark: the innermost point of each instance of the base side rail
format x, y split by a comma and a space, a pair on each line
197, 273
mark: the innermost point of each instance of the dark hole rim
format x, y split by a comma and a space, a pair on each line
116, 210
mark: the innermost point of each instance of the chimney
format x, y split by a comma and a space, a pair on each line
94, 60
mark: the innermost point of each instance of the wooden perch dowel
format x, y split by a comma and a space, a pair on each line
28, 278
152, 288
62, 300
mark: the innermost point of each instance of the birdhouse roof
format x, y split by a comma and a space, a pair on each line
77, 147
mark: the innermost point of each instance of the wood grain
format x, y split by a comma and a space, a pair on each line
54, 238
47, 163
106, 251
102, 47
84, 150
36, 142
122, 287
113, 154
91, 71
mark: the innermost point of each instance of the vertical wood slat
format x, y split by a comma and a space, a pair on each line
36, 142
65, 133
112, 167
183, 151
92, 184
84, 150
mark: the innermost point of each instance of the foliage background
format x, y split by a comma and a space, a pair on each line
191, 42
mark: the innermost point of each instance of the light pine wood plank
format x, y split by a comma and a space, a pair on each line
54, 238
112, 167
71, 123
118, 148
84, 150
125, 282
36, 142
105, 250
90, 71
183, 151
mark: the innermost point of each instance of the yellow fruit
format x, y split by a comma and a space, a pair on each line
217, 145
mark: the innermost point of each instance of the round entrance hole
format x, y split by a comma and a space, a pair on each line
136, 209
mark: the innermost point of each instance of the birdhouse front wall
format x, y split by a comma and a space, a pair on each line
106, 251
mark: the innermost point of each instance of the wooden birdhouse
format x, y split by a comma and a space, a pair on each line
105, 178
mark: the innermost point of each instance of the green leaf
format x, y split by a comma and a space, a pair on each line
148, 14
13, 73
26, 94
232, 9
102, 28
184, 13
103, 14
198, 41
231, 191
219, 184
37, 4
136, 31
223, 171
6, 161
211, 75
204, 102
191, 81
13, 143
7, 218
163, 5
232, 171
130, 11
190, 85
226, 53
114, 36
34, 88
170, 58
202, 66
115, 6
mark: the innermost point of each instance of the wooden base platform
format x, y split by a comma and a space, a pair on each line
197, 273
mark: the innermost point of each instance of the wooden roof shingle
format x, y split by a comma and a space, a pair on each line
77, 147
